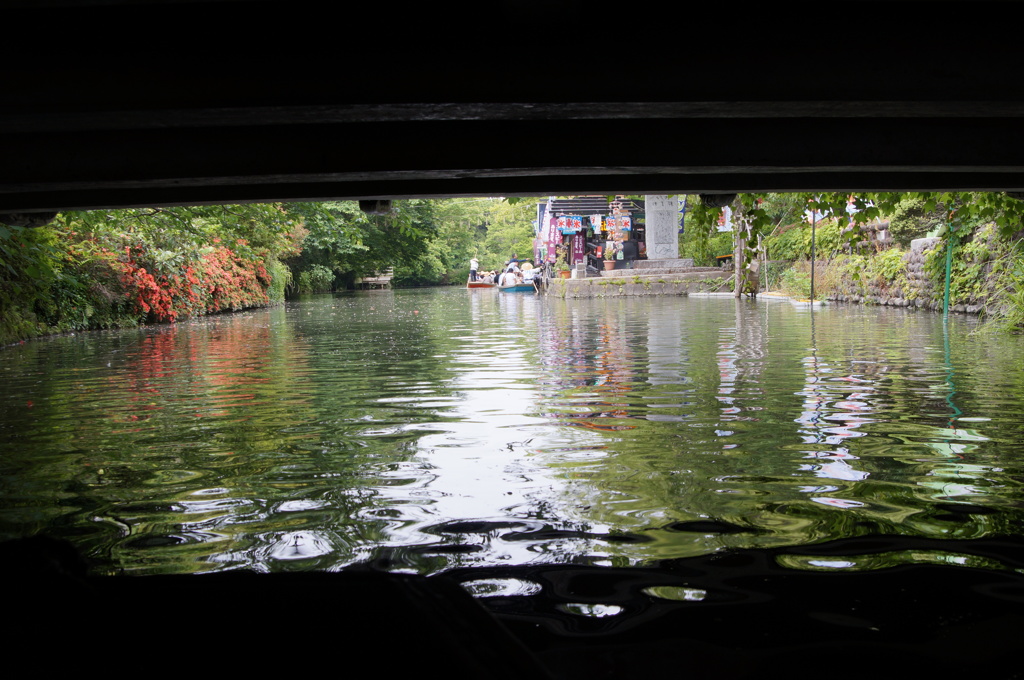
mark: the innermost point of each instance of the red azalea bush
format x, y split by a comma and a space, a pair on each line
233, 282
220, 281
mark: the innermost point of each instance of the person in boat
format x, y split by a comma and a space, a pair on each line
529, 273
509, 277
474, 264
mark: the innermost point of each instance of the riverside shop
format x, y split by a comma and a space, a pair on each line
602, 233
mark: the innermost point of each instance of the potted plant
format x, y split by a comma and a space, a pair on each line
561, 265
609, 258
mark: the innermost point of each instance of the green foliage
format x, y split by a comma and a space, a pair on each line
428, 242
771, 274
885, 272
280, 279
701, 240
428, 269
351, 244
890, 266
1006, 313
969, 209
27, 268
909, 221
486, 228
981, 262
509, 230
981, 273
50, 281
178, 234
316, 278
881, 273
794, 243
109, 268
796, 284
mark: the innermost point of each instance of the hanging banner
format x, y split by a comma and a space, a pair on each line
570, 224
553, 238
625, 223
579, 248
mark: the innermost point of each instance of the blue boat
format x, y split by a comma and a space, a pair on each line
521, 288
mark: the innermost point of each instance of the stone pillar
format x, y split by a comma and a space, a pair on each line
662, 227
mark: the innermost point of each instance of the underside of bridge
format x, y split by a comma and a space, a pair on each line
108, 104
116, 104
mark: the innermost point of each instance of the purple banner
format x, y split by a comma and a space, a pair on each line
553, 238
579, 248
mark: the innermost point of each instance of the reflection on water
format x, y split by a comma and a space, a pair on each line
424, 431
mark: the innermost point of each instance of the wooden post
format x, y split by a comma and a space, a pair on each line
747, 268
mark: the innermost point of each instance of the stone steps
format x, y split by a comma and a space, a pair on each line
662, 272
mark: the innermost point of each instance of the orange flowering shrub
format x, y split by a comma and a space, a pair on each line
233, 282
221, 280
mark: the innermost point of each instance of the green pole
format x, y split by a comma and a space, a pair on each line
949, 265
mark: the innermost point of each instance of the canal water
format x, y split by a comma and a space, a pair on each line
436, 430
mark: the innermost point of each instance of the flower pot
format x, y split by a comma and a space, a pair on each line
565, 273
609, 264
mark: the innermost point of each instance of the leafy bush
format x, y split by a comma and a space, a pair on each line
771, 274
910, 220
427, 270
316, 278
1006, 310
704, 248
983, 270
796, 281
796, 284
280, 279
29, 266
795, 242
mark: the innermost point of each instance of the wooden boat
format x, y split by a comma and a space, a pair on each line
480, 284
521, 288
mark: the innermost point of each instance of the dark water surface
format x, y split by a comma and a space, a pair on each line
431, 431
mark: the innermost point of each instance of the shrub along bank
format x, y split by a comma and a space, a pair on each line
128, 267
880, 248
986, 275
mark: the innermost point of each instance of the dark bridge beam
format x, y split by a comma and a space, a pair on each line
210, 102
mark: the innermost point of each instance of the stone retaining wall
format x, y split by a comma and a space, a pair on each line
918, 291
